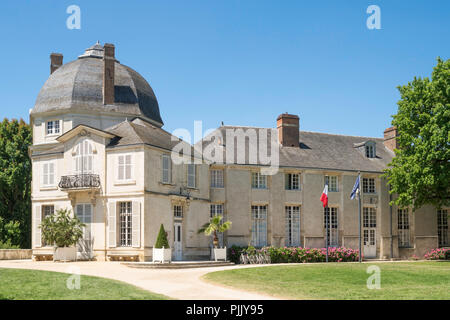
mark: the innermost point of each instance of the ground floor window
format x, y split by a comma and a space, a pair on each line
292, 226
403, 228
259, 226
125, 215
216, 209
442, 225
332, 230
47, 210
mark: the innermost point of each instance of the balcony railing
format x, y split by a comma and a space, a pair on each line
80, 181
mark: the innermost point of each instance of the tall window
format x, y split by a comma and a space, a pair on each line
83, 157
216, 210
166, 169
332, 231
403, 228
292, 181
48, 173
53, 127
124, 167
259, 226
47, 210
259, 181
442, 225
191, 175
125, 215
368, 185
178, 211
216, 178
369, 217
292, 226
332, 183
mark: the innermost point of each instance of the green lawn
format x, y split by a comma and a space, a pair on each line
19, 284
399, 280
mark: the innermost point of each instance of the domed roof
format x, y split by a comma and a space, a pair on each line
78, 86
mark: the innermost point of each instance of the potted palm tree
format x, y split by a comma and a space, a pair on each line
63, 231
213, 227
161, 249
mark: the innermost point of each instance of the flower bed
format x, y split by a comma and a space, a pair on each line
293, 255
438, 254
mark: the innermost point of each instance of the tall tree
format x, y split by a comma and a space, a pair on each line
419, 174
15, 176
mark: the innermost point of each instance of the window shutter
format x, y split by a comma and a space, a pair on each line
37, 222
112, 240
136, 224
128, 167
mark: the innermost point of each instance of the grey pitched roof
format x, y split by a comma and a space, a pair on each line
141, 132
39, 151
323, 151
77, 85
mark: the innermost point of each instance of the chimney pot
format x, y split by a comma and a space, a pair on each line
288, 130
108, 73
56, 61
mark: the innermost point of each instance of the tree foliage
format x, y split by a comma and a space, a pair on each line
419, 174
214, 226
161, 241
15, 177
62, 229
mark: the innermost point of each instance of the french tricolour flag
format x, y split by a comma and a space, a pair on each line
324, 196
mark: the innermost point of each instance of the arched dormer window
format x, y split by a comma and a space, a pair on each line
83, 157
370, 149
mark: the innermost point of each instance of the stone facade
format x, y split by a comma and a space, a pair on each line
108, 160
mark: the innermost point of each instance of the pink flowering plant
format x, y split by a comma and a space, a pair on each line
438, 254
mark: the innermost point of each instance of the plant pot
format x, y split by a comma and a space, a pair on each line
220, 254
162, 255
65, 254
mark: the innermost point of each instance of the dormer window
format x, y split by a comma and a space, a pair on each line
370, 149
53, 127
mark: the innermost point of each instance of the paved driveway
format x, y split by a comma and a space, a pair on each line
179, 283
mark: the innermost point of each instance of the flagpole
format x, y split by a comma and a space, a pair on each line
359, 215
327, 211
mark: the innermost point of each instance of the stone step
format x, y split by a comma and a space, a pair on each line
178, 264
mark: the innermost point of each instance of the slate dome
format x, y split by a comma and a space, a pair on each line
78, 86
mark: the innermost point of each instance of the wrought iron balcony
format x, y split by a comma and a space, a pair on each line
80, 181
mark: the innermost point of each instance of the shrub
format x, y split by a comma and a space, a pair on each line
10, 233
296, 254
161, 241
62, 229
438, 254
8, 245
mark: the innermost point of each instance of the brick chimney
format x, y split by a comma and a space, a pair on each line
56, 61
288, 130
390, 138
108, 73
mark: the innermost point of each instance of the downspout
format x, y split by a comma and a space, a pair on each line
105, 201
390, 223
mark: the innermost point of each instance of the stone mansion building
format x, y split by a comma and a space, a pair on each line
99, 150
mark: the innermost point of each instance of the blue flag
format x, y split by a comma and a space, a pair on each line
355, 187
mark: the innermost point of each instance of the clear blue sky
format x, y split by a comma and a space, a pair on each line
241, 62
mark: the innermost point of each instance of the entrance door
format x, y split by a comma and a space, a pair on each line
369, 232
177, 243
84, 213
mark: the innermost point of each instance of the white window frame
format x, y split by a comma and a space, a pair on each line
442, 227
125, 167
52, 127
333, 183
370, 150
48, 176
177, 211
259, 225
83, 157
259, 181
333, 230
166, 159
292, 225
403, 226
292, 184
125, 223
217, 178
369, 185
191, 172
216, 209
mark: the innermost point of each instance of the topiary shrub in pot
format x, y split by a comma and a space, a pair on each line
161, 250
63, 231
